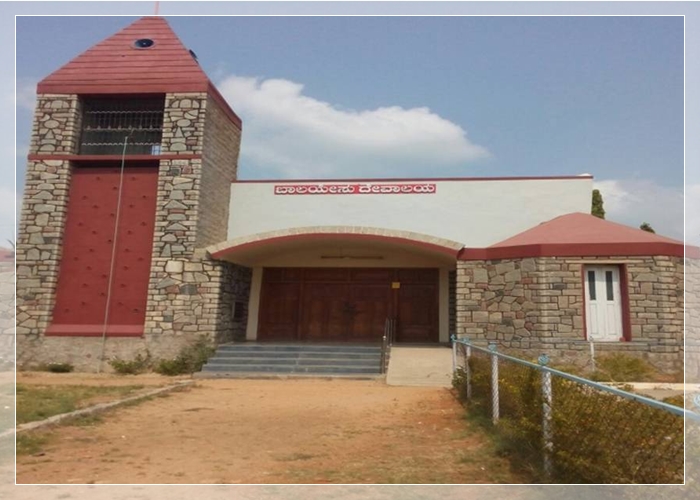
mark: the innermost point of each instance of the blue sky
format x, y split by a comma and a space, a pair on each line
432, 96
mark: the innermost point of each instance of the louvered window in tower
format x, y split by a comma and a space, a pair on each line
109, 122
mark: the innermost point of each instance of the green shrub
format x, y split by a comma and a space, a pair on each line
190, 359
172, 367
139, 364
622, 368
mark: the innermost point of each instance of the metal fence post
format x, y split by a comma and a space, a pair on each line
543, 360
454, 354
494, 383
467, 369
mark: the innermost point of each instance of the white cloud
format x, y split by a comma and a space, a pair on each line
633, 201
289, 134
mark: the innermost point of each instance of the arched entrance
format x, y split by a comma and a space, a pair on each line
340, 284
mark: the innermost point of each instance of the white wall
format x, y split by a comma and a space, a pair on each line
474, 213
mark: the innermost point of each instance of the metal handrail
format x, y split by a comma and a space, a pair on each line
387, 341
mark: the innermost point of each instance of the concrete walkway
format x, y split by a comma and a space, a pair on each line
420, 366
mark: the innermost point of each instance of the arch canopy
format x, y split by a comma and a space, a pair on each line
337, 245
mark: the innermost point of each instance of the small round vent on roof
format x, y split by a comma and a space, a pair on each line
143, 43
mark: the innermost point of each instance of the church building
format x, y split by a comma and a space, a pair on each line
137, 235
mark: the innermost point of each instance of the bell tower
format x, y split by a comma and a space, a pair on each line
128, 179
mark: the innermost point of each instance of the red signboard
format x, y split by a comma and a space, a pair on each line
360, 188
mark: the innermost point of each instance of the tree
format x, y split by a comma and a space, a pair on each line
597, 204
647, 227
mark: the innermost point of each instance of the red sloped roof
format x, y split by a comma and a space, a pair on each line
580, 228
116, 66
583, 235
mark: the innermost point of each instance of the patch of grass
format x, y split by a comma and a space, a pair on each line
677, 400
622, 368
30, 443
40, 402
569, 368
83, 420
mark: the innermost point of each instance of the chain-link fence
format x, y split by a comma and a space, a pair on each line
568, 429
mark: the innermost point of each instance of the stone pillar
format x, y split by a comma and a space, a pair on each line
190, 294
56, 125
183, 123
469, 292
55, 131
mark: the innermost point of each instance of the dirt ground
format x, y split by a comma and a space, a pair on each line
274, 432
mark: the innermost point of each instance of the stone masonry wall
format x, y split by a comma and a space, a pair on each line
222, 140
39, 243
56, 125
189, 294
183, 123
55, 131
537, 305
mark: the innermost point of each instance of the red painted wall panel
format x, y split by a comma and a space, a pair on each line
83, 279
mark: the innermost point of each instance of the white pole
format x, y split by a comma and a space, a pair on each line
494, 383
547, 415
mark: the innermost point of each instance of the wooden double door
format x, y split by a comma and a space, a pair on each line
348, 304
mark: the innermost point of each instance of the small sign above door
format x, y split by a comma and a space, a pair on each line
395, 285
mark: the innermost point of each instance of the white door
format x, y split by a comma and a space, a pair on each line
603, 304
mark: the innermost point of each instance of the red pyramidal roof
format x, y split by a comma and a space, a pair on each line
581, 235
117, 65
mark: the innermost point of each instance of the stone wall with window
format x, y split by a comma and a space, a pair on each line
537, 305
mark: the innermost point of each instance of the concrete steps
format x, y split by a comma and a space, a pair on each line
250, 359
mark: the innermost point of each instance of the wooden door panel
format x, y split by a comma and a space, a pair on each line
348, 304
371, 275
418, 275
325, 274
279, 311
370, 306
323, 315
417, 313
